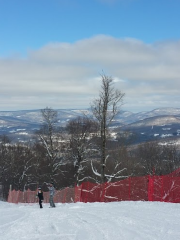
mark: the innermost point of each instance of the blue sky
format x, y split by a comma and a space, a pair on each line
53, 52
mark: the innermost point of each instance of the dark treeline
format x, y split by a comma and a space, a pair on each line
82, 151
77, 159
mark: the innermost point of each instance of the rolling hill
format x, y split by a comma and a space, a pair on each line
156, 124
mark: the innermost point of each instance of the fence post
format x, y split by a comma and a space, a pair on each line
150, 188
106, 184
78, 190
129, 188
65, 192
28, 196
80, 199
17, 197
10, 194
162, 188
103, 192
86, 193
24, 196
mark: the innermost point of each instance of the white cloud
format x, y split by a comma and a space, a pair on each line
63, 75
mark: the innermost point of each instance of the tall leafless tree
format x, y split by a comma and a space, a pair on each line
104, 109
81, 131
47, 130
17, 166
50, 139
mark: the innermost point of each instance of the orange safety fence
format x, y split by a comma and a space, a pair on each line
145, 188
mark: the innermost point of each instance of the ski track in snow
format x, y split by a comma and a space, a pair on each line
91, 221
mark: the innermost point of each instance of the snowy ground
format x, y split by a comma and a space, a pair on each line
91, 221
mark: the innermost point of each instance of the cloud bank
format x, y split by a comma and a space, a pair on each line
64, 75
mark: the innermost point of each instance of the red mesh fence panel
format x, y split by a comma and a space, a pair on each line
147, 188
30, 196
77, 197
157, 191
150, 188
175, 191
24, 196
170, 189
85, 190
10, 197
64, 194
13, 196
117, 191
167, 189
139, 189
164, 188
21, 197
58, 198
91, 192
70, 195
135, 189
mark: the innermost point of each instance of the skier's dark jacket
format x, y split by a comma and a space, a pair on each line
40, 195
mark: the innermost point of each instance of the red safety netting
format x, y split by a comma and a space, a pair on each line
91, 192
67, 195
132, 189
146, 188
117, 191
164, 189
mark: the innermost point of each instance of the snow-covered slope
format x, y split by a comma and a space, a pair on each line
91, 221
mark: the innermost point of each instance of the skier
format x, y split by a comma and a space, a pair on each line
40, 196
51, 194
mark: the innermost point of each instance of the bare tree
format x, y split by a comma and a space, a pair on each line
118, 167
5, 165
17, 166
50, 139
149, 154
157, 159
47, 130
81, 131
104, 109
170, 159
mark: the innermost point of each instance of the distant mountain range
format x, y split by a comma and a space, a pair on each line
160, 124
150, 125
